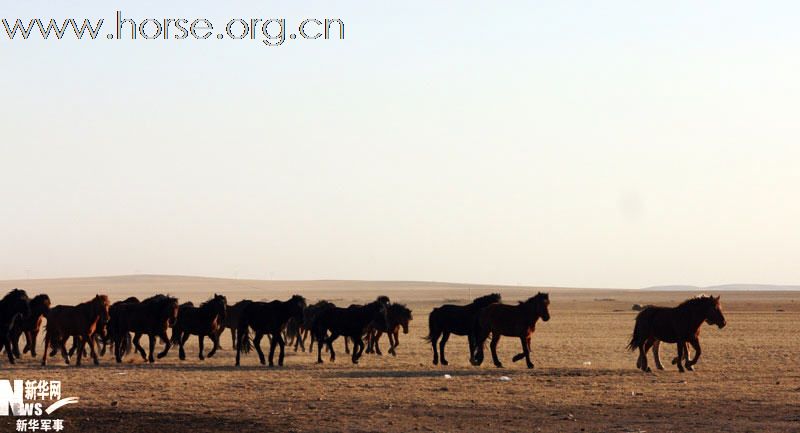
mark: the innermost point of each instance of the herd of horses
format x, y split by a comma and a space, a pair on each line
98, 324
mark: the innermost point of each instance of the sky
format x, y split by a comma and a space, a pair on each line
563, 143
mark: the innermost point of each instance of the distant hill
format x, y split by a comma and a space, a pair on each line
726, 287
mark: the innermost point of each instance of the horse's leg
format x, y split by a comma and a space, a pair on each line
78, 342
152, 340
167, 344
46, 347
139, 349
358, 344
15, 344
329, 344
214, 339
272, 342
6, 343
526, 349
282, 346
391, 336
656, 357
92, 350
319, 349
493, 346
181, 343
681, 349
695, 342
200, 341
257, 344
346, 345
442, 342
434, 337
376, 339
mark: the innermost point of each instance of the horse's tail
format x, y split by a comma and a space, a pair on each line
640, 328
125, 343
244, 343
432, 326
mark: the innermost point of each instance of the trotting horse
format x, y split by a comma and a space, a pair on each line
679, 325
512, 321
397, 316
455, 319
348, 322
267, 318
81, 322
30, 324
207, 320
13, 307
151, 317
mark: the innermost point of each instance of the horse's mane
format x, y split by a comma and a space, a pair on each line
486, 300
208, 303
14, 294
40, 299
298, 298
159, 299
382, 299
401, 310
699, 299
538, 298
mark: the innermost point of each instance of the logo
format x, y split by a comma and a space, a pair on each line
33, 400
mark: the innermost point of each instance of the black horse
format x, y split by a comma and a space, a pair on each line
30, 325
309, 315
679, 325
207, 320
267, 318
14, 306
455, 319
151, 317
232, 317
349, 322
397, 316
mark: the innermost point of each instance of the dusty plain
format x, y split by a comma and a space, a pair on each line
748, 379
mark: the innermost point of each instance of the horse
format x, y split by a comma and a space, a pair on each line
151, 317
207, 320
232, 318
679, 325
349, 322
267, 318
104, 339
512, 321
455, 319
310, 313
397, 316
29, 325
81, 321
13, 307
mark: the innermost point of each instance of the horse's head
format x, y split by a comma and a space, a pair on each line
543, 305
18, 303
171, 307
221, 306
382, 303
401, 315
100, 305
40, 305
297, 304
714, 314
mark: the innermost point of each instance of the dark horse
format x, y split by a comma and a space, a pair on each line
455, 319
207, 320
678, 325
309, 315
348, 322
397, 316
512, 321
151, 317
81, 321
267, 318
232, 318
30, 324
13, 307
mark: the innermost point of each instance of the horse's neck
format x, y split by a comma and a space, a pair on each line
694, 315
530, 311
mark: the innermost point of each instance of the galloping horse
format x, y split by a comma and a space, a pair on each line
678, 325
397, 316
310, 314
512, 321
30, 325
348, 322
207, 320
81, 322
455, 319
151, 317
13, 307
267, 318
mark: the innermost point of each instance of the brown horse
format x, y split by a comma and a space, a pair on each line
13, 307
267, 318
81, 321
512, 321
455, 319
347, 322
207, 320
679, 325
151, 317
397, 316
30, 325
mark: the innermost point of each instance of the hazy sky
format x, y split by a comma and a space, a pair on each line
573, 143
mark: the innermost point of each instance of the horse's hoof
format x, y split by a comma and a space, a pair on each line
319, 361
647, 370
435, 362
96, 362
660, 367
445, 362
530, 365
690, 368
498, 364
